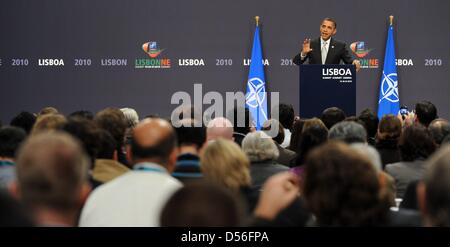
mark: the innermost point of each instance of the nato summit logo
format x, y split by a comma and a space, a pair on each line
361, 51
151, 49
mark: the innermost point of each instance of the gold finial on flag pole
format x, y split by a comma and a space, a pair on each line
391, 20
257, 20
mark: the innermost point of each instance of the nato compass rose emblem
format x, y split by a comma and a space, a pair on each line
151, 49
256, 94
389, 87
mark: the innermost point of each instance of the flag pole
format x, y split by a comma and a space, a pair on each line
257, 20
391, 20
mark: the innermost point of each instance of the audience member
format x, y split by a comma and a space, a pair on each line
416, 144
348, 132
388, 135
137, 197
370, 121
263, 153
202, 205
425, 112
24, 120
286, 156
52, 178
439, 129
219, 128
48, 122
190, 141
332, 116
287, 115
434, 191
242, 121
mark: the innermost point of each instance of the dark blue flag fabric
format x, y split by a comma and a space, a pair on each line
388, 101
256, 96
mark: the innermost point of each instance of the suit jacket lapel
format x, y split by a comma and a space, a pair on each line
330, 53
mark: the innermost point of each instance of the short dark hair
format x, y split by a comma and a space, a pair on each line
83, 114
287, 115
426, 112
331, 116
202, 204
10, 140
24, 120
370, 121
416, 143
332, 20
191, 135
106, 145
248, 119
160, 150
296, 134
86, 131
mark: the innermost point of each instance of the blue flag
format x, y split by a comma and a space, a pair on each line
256, 97
388, 101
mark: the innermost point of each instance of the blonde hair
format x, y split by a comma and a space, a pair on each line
223, 162
48, 122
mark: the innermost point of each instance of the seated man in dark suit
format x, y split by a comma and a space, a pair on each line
325, 50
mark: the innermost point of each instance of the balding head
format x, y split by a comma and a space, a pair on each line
219, 128
154, 140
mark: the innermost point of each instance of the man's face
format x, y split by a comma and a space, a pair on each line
327, 29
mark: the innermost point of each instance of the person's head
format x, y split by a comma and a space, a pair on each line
425, 112
271, 124
10, 140
219, 128
287, 115
131, 117
48, 110
348, 132
86, 131
106, 146
48, 122
341, 187
370, 121
314, 134
327, 28
24, 120
82, 114
258, 146
241, 119
296, 134
224, 163
389, 128
416, 143
112, 120
434, 192
331, 116
439, 129
189, 135
154, 140
52, 171
202, 205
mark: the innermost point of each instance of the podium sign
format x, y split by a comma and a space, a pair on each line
324, 86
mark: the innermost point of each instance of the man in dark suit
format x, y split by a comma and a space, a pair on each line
325, 50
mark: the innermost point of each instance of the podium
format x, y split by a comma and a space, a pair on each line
324, 86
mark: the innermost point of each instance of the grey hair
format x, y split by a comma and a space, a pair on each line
348, 132
131, 116
369, 152
258, 146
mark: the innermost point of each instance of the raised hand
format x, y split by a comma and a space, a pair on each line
306, 47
